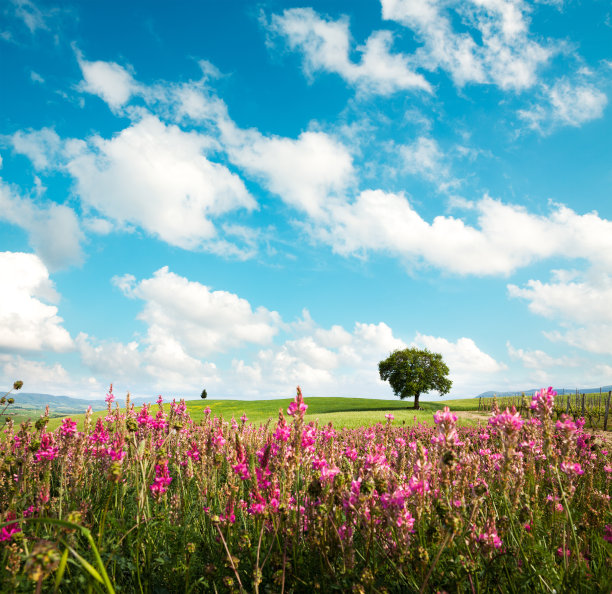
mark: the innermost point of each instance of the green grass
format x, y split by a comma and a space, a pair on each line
342, 412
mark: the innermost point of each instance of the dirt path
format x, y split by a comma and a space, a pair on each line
483, 418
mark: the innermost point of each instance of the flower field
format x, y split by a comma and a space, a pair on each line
149, 501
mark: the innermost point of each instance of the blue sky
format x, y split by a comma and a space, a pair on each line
245, 197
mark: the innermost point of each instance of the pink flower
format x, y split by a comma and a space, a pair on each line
351, 454
329, 472
507, 422
297, 406
570, 468
563, 552
242, 470
219, 440
608, 532
282, 432
68, 427
7, 531
490, 538
447, 433
543, 401
445, 418
162, 480
389, 417
567, 425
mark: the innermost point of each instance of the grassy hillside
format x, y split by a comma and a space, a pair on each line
342, 412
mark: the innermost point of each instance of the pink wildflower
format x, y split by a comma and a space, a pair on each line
219, 440
68, 427
297, 406
570, 468
509, 423
162, 480
447, 432
566, 425
7, 531
543, 401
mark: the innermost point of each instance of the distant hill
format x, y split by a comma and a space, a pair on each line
67, 405
531, 392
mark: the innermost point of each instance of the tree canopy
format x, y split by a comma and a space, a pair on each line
412, 372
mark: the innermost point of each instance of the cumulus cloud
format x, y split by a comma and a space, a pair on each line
202, 320
192, 333
186, 323
565, 103
494, 45
538, 359
108, 80
43, 147
306, 172
332, 362
326, 45
157, 177
582, 300
580, 305
507, 236
53, 229
27, 321
462, 357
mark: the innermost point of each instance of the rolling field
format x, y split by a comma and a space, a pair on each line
342, 412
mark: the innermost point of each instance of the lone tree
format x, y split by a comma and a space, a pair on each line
203, 394
411, 372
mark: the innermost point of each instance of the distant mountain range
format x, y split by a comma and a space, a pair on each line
531, 392
25, 401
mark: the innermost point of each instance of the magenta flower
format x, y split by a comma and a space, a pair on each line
7, 531
162, 480
297, 406
543, 401
507, 422
68, 427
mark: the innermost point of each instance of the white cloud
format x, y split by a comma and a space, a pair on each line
306, 173
203, 321
423, 157
43, 147
157, 177
108, 80
30, 14
580, 306
27, 322
493, 47
53, 229
565, 104
507, 237
462, 357
331, 362
326, 46
538, 359
589, 301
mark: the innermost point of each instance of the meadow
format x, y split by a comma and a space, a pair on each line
360, 496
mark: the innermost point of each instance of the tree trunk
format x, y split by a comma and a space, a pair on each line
416, 401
